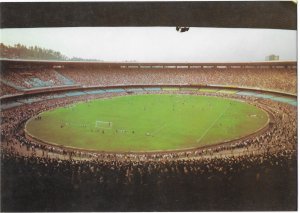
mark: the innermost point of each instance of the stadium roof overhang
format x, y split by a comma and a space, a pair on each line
16, 63
250, 14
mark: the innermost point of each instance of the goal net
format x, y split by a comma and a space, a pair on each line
103, 124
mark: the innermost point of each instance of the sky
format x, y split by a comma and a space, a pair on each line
159, 44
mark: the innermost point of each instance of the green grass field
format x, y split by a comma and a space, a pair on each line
148, 123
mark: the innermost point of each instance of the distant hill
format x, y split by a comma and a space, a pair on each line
19, 51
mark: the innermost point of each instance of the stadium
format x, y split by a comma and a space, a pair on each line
142, 136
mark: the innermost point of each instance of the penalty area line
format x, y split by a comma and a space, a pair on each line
159, 129
214, 122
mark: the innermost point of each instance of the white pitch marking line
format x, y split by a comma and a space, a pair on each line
156, 131
199, 139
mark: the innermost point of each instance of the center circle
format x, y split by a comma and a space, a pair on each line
147, 123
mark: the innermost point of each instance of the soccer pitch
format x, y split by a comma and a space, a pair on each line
141, 123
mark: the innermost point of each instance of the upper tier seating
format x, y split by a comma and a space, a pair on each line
277, 79
5, 90
284, 80
29, 79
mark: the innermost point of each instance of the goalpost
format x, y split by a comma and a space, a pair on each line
103, 124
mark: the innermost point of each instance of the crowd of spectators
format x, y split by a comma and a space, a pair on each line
247, 182
281, 132
5, 89
254, 173
32, 78
277, 79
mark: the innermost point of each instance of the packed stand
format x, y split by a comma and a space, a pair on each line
28, 79
257, 173
248, 182
277, 79
281, 133
7, 90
